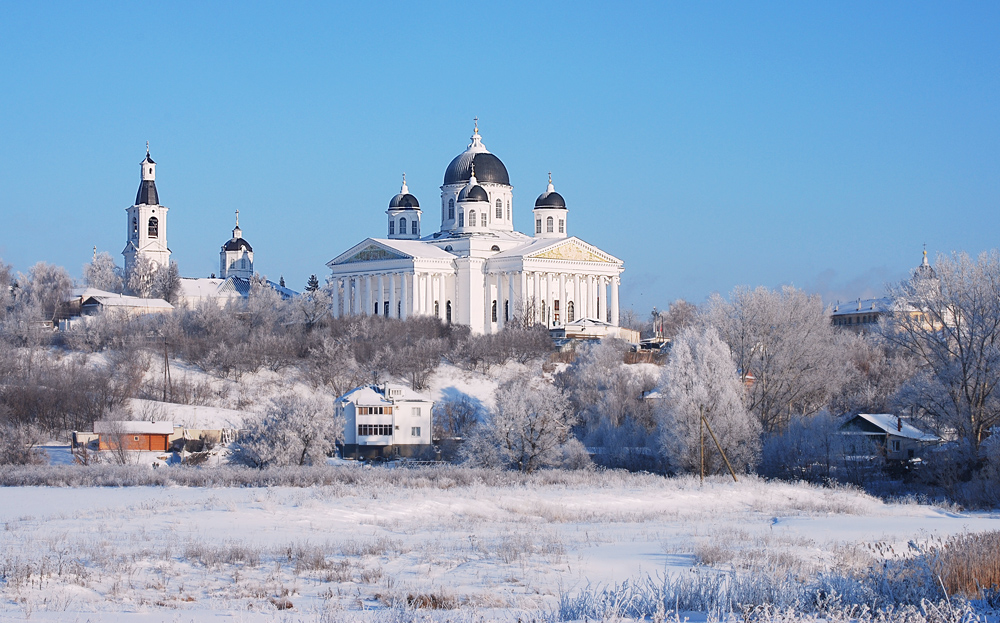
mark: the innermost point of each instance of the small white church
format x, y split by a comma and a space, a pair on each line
147, 237
477, 270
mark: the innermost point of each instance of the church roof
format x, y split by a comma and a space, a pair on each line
489, 168
147, 194
235, 244
473, 193
571, 248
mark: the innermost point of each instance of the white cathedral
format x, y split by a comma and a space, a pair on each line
477, 270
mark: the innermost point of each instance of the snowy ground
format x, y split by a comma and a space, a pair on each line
193, 554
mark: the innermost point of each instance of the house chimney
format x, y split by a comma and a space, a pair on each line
899, 424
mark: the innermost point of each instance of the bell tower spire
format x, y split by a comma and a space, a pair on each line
147, 221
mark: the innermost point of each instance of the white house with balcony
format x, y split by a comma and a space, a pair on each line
384, 421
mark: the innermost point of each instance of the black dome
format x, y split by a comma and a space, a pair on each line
550, 199
476, 193
488, 169
235, 244
405, 201
147, 194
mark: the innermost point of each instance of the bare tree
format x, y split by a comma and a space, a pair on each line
140, 279
292, 431
166, 283
952, 328
102, 273
702, 391
531, 421
44, 288
785, 349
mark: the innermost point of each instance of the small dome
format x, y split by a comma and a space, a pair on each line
550, 198
147, 194
473, 193
236, 244
404, 201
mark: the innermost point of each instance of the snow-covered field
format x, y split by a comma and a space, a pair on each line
343, 552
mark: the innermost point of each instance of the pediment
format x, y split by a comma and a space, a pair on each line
372, 253
574, 251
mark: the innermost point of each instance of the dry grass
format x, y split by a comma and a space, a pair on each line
968, 563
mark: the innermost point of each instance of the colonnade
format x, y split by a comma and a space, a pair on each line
535, 293
539, 291
396, 295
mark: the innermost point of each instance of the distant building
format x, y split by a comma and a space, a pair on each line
146, 221
477, 270
896, 439
591, 329
133, 436
864, 314
384, 421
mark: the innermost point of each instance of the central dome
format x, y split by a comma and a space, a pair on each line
488, 167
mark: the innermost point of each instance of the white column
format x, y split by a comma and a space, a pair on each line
562, 298
393, 313
510, 298
380, 299
591, 298
369, 294
548, 300
602, 298
356, 310
439, 294
614, 300
537, 297
524, 297
405, 311
429, 294
499, 299
577, 307
487, 305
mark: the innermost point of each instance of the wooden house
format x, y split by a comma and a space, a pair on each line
133, 436
897, 439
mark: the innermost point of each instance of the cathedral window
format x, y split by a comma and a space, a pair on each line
494, 310
499, 209
402, 225
392, 227
472, 218
437, 308
447, 309
506, 311
570, 312
548, 225
451, 209
562, 226
154, 227
135, 228
538, 226
461, 219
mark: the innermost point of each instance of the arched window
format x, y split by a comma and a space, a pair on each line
135, 228
472, 218
562, 226
499, 209
506, 311
570, 312
447, 309
437, 309
538, 226
402, 225
508, 210
495, 247
154, 227
414, 229
461, 218
451, 209
548, 225
385, 309
392, 227
494, 310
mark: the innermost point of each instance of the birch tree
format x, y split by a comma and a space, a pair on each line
701, 381
530, 423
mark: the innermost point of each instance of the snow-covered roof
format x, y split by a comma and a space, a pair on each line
120, 300
86, 293
199, 287
861, 306
588, 322
129, 427
376, 394
896, 426
191, 416
416, 248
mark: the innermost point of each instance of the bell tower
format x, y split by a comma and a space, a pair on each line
146, 221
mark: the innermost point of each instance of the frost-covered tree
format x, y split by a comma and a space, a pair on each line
785, 349
140, 279
312, 284
953, 331
102, 273
701, 381
529, 425
44, 289
311, 307
6, 289
293, 430
166, 283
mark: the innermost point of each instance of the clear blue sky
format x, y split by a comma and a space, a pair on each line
708, 145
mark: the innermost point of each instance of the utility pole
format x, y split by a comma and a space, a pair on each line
701, 438
717, 445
